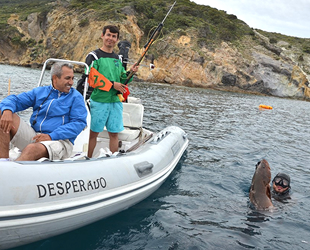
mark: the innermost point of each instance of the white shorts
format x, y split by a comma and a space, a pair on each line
57, 150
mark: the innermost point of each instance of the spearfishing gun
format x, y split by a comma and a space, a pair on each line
153, 37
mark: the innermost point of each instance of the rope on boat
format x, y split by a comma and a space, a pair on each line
9, 87
139, 143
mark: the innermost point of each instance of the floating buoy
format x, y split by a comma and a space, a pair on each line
262, 106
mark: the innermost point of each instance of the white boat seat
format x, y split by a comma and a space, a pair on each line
132, 119
81, 141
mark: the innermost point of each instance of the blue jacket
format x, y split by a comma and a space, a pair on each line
61, 115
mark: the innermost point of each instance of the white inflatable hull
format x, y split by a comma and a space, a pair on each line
43, 199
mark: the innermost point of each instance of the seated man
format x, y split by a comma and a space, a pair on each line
281, 187
59, 115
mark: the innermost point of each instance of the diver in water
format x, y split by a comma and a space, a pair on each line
281, 187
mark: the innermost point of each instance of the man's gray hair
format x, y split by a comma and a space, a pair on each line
57, 68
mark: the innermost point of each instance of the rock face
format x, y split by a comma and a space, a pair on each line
254, 65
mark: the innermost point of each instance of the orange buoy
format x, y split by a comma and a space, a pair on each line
262, 106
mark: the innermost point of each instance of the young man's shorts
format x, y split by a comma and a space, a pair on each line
109, 115
57, 150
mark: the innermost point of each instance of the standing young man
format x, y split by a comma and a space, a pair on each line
105, 106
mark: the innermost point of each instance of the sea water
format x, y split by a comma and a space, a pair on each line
204, 204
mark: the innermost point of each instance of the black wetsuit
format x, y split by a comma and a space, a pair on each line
281, 196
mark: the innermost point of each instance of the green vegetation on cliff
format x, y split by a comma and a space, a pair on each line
208, 23
301, 43
22, 8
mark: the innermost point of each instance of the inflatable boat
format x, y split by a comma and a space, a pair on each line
41, 199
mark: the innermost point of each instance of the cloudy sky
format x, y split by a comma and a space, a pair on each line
287, 17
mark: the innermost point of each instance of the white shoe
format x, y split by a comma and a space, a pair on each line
104, 152
4, 159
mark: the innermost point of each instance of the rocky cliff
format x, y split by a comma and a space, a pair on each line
252, 64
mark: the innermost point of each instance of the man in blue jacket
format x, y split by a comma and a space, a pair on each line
59, 115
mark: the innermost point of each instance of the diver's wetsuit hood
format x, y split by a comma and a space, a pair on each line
286, 194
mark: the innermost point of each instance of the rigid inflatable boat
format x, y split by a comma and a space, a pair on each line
41, 199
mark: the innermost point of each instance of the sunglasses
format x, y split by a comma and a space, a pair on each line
281, 182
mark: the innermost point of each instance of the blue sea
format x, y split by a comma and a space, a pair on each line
204, 204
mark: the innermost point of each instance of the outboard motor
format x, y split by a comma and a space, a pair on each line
124, 47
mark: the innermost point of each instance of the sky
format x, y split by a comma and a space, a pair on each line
287, 17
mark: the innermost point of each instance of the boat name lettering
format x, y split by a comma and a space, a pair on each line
75, 186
